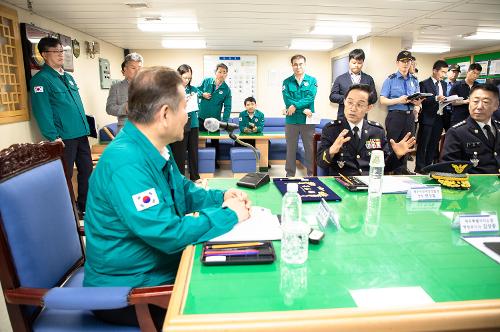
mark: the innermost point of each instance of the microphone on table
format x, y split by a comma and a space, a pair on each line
251, 180
212, 124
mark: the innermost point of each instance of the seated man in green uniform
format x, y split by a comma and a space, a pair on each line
251, 121
136, 222
346, 144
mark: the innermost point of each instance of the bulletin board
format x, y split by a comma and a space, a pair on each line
241, 76
490, 62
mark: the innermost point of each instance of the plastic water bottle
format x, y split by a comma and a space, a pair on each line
295, 239
376, 173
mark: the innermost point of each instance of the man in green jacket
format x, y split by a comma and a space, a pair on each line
215, 94
141, 211
299, 92
58, 109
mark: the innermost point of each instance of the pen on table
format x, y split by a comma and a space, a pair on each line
232, 253
235, 245
346, 179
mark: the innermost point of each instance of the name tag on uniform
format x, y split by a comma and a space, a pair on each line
472, 145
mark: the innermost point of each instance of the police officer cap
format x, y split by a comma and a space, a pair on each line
404, 55
451, 174
454, 67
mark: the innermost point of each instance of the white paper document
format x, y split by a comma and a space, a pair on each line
262, 225
478, 243
314, 119
391, 297
449, 100
191, 103
394, 184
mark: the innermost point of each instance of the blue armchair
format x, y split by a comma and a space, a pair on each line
42, 252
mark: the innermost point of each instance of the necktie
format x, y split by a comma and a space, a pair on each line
355, 136
489, 135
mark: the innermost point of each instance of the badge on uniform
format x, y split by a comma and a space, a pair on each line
306, 83
256, 120
221, 92
38, 89
241, 119
71, 82
341, 163
146, 199
472, 145
373, 143
474, 160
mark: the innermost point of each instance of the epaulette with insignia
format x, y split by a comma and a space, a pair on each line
376, 124
496, 121
392, 75
459, 124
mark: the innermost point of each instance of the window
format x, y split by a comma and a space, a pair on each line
13, 97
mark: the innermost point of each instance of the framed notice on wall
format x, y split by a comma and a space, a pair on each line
241, 76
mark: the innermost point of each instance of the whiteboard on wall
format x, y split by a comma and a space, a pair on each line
241, 76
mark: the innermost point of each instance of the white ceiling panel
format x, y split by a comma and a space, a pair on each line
231, 24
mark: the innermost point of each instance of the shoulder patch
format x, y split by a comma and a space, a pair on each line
459, 124
145, 199
375, 124
392, 75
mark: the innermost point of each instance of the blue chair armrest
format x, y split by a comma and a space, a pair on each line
87, 298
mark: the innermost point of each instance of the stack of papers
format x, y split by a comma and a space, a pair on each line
448, 101
261, 226
394, 184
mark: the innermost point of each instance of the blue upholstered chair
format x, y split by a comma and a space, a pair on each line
108, 132
42, 253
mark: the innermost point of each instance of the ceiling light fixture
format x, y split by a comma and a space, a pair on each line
483, 34
429, 48
184, 43
342, 29
311, 44
170, 24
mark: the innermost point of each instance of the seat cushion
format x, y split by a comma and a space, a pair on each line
55, 320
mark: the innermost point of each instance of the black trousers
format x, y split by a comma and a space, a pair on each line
190, 145
397, 125
428, 143
213, 142
77, 151
127, 316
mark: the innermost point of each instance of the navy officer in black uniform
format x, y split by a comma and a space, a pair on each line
478, 137
346, 144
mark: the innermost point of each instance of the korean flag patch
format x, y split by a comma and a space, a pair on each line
38, 89
145, 200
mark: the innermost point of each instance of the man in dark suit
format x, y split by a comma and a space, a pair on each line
431, 118
477, 138
460, 109
347, 144
353, 76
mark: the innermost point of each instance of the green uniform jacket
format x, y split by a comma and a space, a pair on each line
301, 96
211, 108
257, 120
57, 106
135, 222
193, 116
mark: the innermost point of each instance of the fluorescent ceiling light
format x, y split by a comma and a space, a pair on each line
341, 29
311, 44
484, 34
429, 48
184, 43
170, 24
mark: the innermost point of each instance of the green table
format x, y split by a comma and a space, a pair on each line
389, 242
